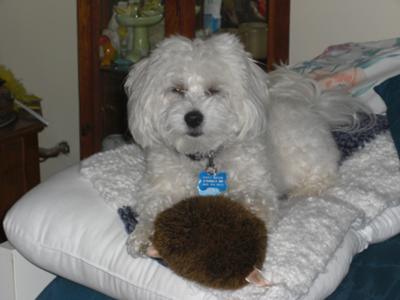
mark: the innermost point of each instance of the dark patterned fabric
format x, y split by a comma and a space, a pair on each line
349, 142
128, 217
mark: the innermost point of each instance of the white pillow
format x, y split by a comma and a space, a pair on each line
65, 227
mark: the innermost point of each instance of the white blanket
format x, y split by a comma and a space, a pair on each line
311, 229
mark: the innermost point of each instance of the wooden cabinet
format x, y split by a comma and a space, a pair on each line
102, 100
19, 162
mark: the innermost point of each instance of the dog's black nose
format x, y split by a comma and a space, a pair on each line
194, 118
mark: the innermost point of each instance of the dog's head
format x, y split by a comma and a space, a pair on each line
195, 96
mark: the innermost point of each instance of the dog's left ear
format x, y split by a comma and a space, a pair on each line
227, 43
255, 105
254, 95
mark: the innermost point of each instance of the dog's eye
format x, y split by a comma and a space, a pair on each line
212, 91
180, 90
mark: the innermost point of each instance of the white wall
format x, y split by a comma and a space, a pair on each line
316, 24
38, 42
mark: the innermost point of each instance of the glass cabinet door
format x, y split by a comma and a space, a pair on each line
245, 18
262, 25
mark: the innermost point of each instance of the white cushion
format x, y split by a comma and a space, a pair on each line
65, 227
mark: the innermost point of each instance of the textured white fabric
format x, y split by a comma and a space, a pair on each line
65, 226
369, 180
337, 268
115, 174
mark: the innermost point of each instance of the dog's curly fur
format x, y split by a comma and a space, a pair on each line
271, 132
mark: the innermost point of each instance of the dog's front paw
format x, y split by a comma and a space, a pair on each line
139, 240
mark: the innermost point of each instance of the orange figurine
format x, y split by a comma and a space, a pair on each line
109, 51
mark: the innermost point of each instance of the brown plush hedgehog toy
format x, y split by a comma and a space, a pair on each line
213, 241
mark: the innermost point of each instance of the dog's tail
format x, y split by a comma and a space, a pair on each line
344, 112
340, 110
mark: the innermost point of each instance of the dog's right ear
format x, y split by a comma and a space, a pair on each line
136, 89
136, 73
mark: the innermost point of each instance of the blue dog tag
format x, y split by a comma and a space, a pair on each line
212, 184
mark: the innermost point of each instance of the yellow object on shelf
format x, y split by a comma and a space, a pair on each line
109, 52
17, 90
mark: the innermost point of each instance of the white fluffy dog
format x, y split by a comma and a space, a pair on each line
205, 103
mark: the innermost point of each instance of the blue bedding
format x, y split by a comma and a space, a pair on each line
374, 274
389, 91
64, 289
